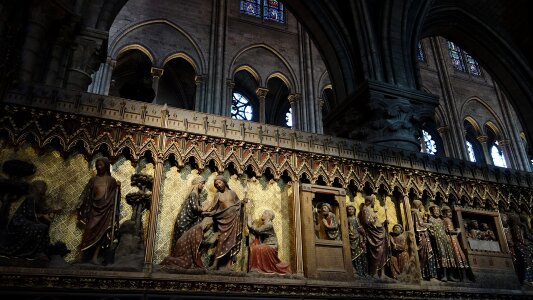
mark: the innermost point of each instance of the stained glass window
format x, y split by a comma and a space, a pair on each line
497, 156
430, 147
456, 56
288, 118
470, 150
241, 108
273, 10
251, 7
420, 55
473, 66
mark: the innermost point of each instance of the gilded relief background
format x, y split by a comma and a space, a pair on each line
66, 178
392, 215
262, 194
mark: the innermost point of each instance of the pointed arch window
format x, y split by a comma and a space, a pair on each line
429, 146
473, 66
241, 108
462, 61
497, 155
288, 118
470, 151
420, 54
456, 55
271, 10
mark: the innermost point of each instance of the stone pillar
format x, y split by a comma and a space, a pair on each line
199, 95
102, 78
35, 33
486, 153
85, 58
156, 75
154, 213
319, 122
444, 132
385, 115
457, 144
59, 54
262, 93
293, 101
230, 85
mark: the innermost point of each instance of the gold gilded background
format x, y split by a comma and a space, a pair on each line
357, 200
263, 194
66, 178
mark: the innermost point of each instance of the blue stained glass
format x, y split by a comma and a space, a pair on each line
273, 10
251, 7
473, 66
420, 55
456, 56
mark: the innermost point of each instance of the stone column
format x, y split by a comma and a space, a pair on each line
199, 95
156, 75
35, 33
102, 78
443, 132
385, 115
230, 85
262, 93
486, 153
154, 213
293, 101
85, 58
319, 122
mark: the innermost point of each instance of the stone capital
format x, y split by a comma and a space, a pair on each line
261, 92
504, 143
198, 79
156, 72
482, 138
230, 83
442, 130
293, 98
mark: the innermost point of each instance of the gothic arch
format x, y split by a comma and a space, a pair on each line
472, 101
139, 47
250, 70
199, 59
283, 78
277, 56
183, 56
500, 56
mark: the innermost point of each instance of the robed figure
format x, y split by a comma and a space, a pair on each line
26, 234
188, 248
99, 212
264, 248
356, 234
228, 215
189, 213
428, 265
377, 238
